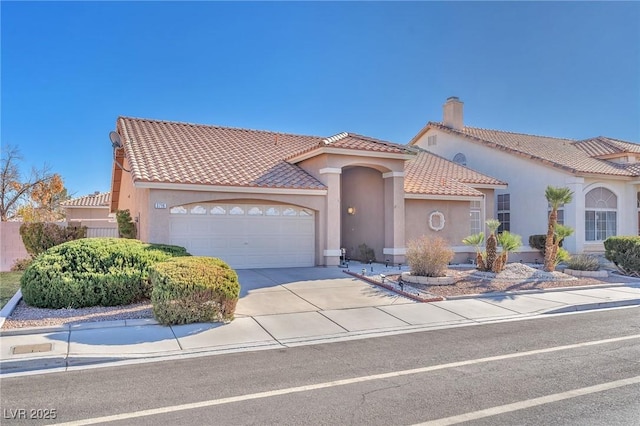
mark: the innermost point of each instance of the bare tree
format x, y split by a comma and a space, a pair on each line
14, 188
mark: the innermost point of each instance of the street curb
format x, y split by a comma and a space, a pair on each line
538, 291
10, 306
592, 306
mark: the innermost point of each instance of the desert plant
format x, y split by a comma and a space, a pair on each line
38, 237
556, 196
428, 257
366, 253
562, 255
624, 252
477, 240
492, 243
126, 226
508, 243
92, 272
193, 289
583, 262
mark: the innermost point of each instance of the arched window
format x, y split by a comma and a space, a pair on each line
460, 158
600, 214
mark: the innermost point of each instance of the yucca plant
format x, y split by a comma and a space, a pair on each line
492, 243
477, 240
509, 243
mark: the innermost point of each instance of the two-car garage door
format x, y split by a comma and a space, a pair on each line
246, 235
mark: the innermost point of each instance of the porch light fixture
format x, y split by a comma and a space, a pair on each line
351, 211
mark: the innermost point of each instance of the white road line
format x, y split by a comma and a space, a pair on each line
521, 405
307, 388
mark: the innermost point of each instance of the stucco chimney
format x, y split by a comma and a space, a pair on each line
452, 113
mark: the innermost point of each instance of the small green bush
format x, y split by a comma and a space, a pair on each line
93, 272
126, 226
38, 237
624, 252
583, 262
366, 253
193, 289
538, 242
429, 257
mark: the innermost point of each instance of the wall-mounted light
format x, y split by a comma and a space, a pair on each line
351, 211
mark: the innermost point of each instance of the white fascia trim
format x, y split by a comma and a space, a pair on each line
392, 174
488, 186
330, 170
328, 253
85, 207
345, 151
635, 182
220, 188
443, 197
394, 251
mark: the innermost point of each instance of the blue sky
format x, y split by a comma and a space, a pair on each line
381, 69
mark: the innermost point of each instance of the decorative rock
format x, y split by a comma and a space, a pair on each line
416, 279
589, 274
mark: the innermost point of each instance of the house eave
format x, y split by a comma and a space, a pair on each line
224, 188
488, 186
411, 196
343, 151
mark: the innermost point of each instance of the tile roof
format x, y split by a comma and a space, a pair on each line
172, 152
431, 174
573, 156
92, 200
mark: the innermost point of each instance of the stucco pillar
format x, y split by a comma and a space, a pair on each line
574, 216
331, 178
394, 227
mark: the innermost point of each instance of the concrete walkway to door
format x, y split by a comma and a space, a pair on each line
293, 290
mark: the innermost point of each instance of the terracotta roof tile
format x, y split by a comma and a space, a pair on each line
172, 152
431, 174
568, 154
91, 200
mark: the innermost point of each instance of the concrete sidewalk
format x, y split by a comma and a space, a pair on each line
381, 313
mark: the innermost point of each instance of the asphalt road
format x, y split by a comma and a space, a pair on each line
580, 369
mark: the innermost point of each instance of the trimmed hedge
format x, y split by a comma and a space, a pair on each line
93, 272
624, 252
38, 237
193, 289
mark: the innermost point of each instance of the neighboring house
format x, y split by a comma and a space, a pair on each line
603, 173
92, 211
267, 199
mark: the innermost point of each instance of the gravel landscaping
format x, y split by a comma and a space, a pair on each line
468, 281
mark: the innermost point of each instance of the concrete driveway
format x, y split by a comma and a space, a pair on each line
290, 290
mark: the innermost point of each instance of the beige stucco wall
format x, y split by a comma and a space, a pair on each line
456, 214
363, 189
11, 246
92, 213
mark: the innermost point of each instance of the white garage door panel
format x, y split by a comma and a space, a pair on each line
243, 240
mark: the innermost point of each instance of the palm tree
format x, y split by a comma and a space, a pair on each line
509, 243
476, 240
556, 196
492, 243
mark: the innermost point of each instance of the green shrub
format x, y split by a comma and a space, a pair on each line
193, 289
562, 256
538, 242
428, 257
21, 264
366, 253
93, 272
624, 252
38, 237
126, 227
583, 262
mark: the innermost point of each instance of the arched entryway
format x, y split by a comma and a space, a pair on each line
362, 213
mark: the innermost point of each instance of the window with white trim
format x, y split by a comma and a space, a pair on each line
504, 212
475, 216
560, 211
600, 214
432, 140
